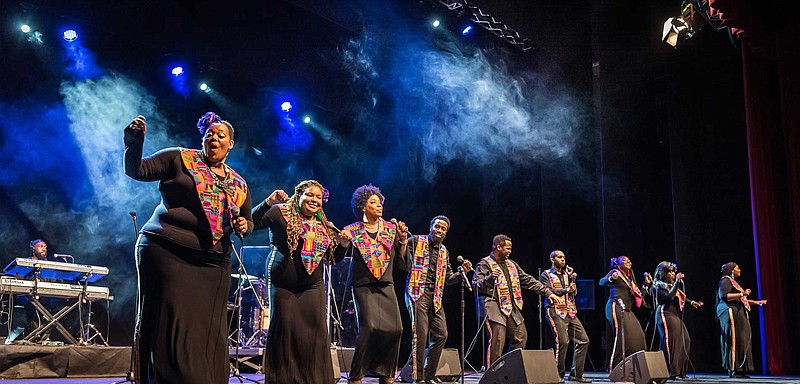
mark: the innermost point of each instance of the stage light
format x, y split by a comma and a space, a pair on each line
466, 30
677, 29
286, 106
204, 87
177, 71
307, 119
70, 35
25, 28
436, 23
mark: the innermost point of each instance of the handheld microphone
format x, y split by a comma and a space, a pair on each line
463, 273
64, 257
572, 275
621, 304
333, 227
394, 221
460, 260
235, 212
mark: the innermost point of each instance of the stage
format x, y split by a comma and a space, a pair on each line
473, 378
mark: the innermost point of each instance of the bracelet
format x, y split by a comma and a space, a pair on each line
403, 242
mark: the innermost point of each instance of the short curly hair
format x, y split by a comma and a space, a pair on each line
360, 197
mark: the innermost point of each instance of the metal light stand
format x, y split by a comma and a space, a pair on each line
238, 300
88, 328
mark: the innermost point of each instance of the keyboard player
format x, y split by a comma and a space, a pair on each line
32, 319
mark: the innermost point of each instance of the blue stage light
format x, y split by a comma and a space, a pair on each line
70, 35
204, 87
466, 30
436, 23
177, 71
286, 106
25, 28
307, 119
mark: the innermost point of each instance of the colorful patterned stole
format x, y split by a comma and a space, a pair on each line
637, 294
315, 240
502, 285
566, 307
215, 197
376, 252
419, 272
679, 294
739, 288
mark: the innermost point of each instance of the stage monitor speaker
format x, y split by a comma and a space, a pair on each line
449, 368
343, 356
523, 366
642, 368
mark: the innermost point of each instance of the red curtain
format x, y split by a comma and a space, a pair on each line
771, 70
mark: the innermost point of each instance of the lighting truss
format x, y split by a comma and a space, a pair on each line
487, 22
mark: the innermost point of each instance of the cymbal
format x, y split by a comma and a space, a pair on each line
248, 277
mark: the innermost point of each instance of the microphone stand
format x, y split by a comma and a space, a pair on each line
129, 376
463, 286
541, 298
622, 338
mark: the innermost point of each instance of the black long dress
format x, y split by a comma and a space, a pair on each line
622, 319
674, 337
736, 335
184, 274
380, 327
298, 347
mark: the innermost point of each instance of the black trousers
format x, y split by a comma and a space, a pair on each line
498, 333
625, 324
564, 331
425, 323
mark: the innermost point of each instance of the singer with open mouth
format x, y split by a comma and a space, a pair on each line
374, 244
428, 265
562, 316
183, 254
624, 294
298, 348
499, 282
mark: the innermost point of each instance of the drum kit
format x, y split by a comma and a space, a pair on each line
252, 322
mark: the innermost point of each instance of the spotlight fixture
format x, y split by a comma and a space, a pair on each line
204, 87
307, 119
680, 28
25, 28
177, 71
286, 106
70, 35
436, 23
466, 30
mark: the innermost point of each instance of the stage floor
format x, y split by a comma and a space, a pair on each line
473, 378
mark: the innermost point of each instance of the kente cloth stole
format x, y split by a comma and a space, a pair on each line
419, 272
376, 252
502, 286
567, 307
740, 289
637, 294
215, 199
315, 240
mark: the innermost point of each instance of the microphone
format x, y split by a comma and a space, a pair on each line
236, 211
463, 273
64, 257
132, 213
572, 274
460, 260
333, 227
621, 304
394, 221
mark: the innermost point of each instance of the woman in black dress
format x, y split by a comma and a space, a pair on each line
670, 298
733, 307
374, 244
624, 294
183, 255
298, 347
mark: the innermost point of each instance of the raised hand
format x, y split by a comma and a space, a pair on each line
138, 124
277, 196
